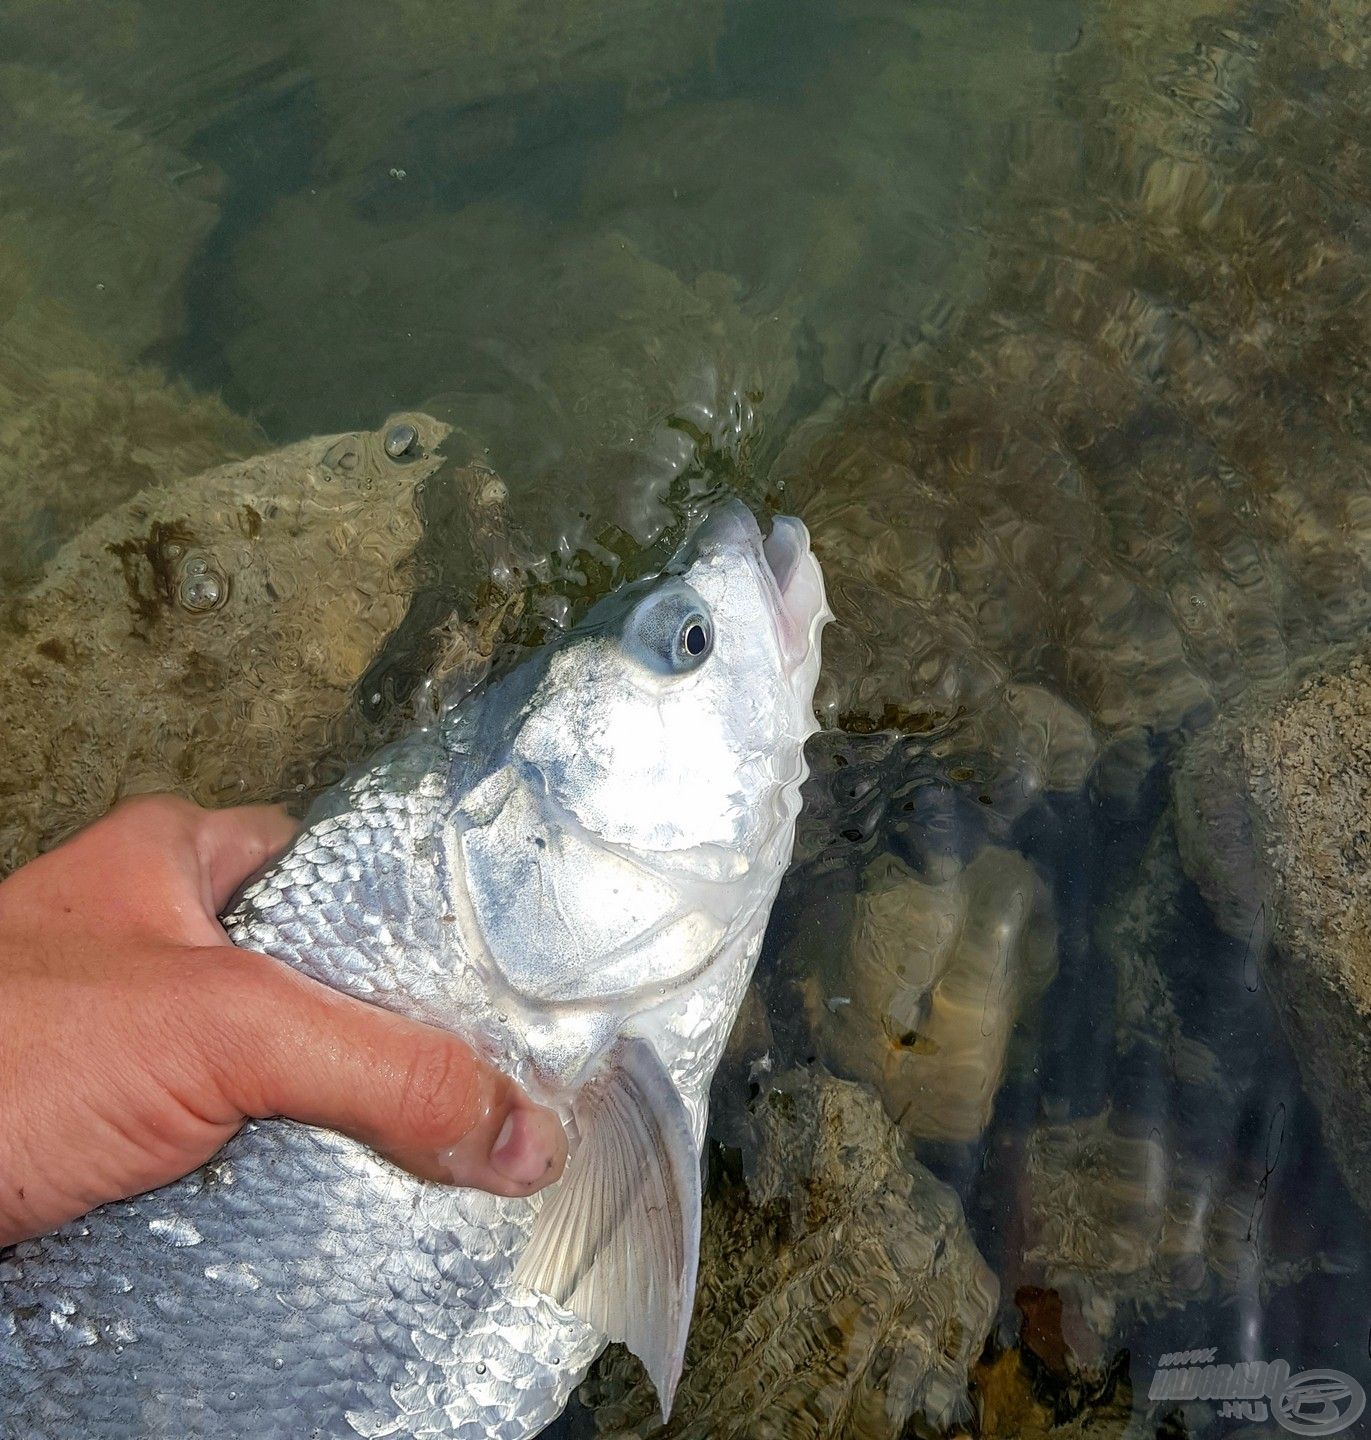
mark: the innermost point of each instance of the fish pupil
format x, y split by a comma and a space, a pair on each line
695, 639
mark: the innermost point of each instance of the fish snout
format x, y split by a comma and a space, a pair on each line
730, 526
783, 561
803, 606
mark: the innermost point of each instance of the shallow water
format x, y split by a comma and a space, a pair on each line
1050, 319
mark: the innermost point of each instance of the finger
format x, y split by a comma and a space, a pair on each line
141, 859
418, 1094
232, 845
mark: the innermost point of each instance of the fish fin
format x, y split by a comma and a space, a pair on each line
617, 1241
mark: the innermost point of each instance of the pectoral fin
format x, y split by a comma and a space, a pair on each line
617, 1241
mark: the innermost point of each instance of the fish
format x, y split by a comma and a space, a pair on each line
572, 868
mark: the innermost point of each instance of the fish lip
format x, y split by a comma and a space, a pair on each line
729, 526
802, 606
786, 564
785, 551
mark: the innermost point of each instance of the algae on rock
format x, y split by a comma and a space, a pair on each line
1273, 804
75, 442
923, 1001
1134, 475
840, 1290
205, 635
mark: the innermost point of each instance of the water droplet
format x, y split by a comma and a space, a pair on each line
401, 440
277, 1363
480, 1367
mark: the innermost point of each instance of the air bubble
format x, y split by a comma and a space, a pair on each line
201, 592
400, 441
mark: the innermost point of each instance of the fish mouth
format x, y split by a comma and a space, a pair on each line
787, 566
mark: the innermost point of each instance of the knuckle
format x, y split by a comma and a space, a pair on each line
440, 1098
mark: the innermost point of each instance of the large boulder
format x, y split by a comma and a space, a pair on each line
923, 1000
207, 634
840, 1290
1272, 808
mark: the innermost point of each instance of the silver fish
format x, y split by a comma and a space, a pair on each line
573, 869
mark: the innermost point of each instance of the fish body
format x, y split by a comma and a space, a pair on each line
574, 870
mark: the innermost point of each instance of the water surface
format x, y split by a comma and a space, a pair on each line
1049, 317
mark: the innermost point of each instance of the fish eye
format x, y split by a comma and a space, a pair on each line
670, 630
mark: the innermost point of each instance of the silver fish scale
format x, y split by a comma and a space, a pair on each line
382, 1314
297, 1285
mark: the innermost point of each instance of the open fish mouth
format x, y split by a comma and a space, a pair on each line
799, 584
786, 565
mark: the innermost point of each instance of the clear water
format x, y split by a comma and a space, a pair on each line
1049, 319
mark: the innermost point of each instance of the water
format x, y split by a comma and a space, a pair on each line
1050, 320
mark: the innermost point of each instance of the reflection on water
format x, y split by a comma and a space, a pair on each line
1052, 322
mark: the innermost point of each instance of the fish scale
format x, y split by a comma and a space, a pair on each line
299, 1284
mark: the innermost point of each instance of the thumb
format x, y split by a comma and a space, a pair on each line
231, 845
416, 1093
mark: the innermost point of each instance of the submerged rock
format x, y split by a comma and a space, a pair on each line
1120, 1219
1135, 933
75, 441
98, 221
922, 1002
1134, 476
840, 1292
1164, 1198
513, 69
1272, 806
1020, 1398
725, 209
99, 226
205, 636
162, 67
874, 131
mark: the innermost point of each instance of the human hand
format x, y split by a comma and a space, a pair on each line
135, 1039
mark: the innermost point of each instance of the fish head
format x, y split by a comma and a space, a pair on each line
665, 744
674, 720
